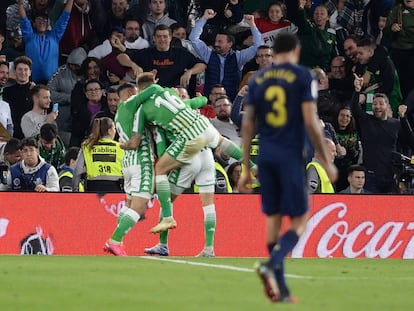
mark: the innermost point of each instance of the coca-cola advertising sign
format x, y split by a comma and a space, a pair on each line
339, 226
359, 227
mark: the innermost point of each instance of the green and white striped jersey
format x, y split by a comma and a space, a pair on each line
126, 123
163, 108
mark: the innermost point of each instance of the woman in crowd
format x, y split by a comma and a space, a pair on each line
347, 135
84, 109
274, 23
234, 173
100, 158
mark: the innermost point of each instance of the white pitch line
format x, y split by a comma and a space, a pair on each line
225, 267
249, 270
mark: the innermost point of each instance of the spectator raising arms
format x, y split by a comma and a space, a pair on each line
317, 39
42, 45
224, 64
274, 23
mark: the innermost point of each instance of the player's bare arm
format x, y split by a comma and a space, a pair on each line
132, 143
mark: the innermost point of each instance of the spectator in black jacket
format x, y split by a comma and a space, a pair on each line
18, 96
379, 134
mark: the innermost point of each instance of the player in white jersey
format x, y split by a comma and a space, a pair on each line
137, 168
202, 171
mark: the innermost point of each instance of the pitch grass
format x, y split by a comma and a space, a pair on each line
111, 283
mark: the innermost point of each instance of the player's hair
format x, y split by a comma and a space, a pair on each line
71, 154
356, 168
125, 86
12, 146
144, 80
285, 42
48, 132
100, 128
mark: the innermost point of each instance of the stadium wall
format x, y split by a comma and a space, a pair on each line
351, 226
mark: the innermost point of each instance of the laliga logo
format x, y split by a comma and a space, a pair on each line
112, 209
383, 239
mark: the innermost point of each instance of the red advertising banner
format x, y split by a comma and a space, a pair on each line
361, 226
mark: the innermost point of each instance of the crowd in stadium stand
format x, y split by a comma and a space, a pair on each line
61, 62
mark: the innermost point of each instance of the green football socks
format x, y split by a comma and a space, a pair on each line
233, 151
125, 223
209, 224
164, 194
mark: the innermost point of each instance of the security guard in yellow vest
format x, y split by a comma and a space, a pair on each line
254, 151
318, 181
101, 158
66, 172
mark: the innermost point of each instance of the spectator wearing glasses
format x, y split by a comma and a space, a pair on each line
217, 91
84, 112
222, 121
263, 58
